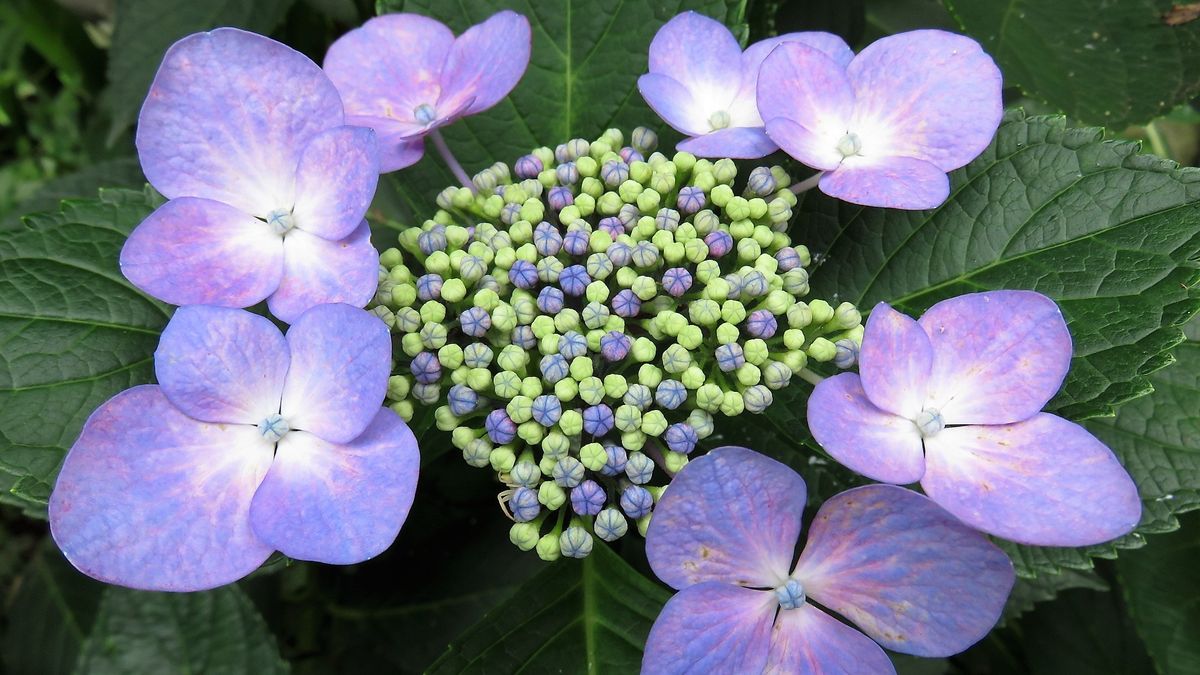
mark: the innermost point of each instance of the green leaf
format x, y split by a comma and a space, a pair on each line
578, 616
1103, 62
1162, 591
146, 28
73, 331
582, 79
217, 631
1028, 592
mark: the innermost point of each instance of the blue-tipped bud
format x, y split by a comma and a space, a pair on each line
639, 468
554, 368
572, 345
462, 400
575, 542
528, 166
611, 525
670, 394
577, 242
568, 472
615, 346
788, 259
526, 474
761, 181
524, 505
645, 254
636, 501
847, 353
761, 324
546, 239
560, 197
676, 281
587, 498
598, 419
574, 280
567, 174
477, 355
616, 460
630, 155
626, 304
475, 321
690, 200
638, 396
523, 337
756, 398
425, 368
730, 357
667, 219
429, 287
620, 254
499, 427
546, 410
429, 242
719, 243
614, 172
681, 437
550, 300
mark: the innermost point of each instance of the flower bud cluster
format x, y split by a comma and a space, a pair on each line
579, 319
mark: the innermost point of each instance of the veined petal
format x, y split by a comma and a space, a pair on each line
1044, 481
336, 181
711, 627
701, 54
227, 116
807, 640
865, 439
803, 145
738, 143
221, 365
672, 101
338, 503
341, 358
486, 62
804, 86
732, 516
890, 182
894, 362
194, 251
745, 105
318, 271
149, 498
904, 570
998, 356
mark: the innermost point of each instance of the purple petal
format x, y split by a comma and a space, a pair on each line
150, 498
711, 628
397, 153
890, 182
338, 504
317, 271
869, 441
733, 516
807, 640
737, 143
335, 181
745, 105
1044, 481
802, 85
894, 362
998, 356
227, 117
926, 94
341, 358
673, 103
221, 365
701, 54
200, 252
486, 62
903, 570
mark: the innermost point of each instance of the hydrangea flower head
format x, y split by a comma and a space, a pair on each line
702, 84
906, 573
953, 401
405, 75
887, 125
253, 442
267, 187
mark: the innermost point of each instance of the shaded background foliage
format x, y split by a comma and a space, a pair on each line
1108, 227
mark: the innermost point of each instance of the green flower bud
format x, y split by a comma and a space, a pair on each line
748, 249
633, 440
478, 379
727, 333
821, 350
450, 356
531, 432
597, 291
615, 385
755, 351
674, 461
629, 191
704, 312
513, 358
523, 535
569, 214
676, 359
592, 187
520, 409
566, 389
593, 456
846, 315
591, 390
433, 335
504, 318
702, 422
643, 350
748, 374
693, 377
531, 386
654, 423
487, 299
720, 195
822, 313
403, 295
433, 312
404, 409
411, 344
566, 320
732, 404
599, 241
438, 262
778, 302
614, 323
581, 367
444, 419
649, 201
506, 384
571, 422
398, 387
799, 315
690, 337
733, 311
724, 170
408, 320
459, 375
695, 250
793, 338
709, 397
796, 360
649, 375
627, 418
716, 289
609, 203
555, 446
502, 459
543, 327
548, 548
551, 495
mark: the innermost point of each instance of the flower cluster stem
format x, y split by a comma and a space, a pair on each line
451, 161
808, 183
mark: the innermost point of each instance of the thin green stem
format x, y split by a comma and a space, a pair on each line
810, 377
808, 183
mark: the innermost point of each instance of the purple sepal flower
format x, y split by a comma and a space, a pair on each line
626, 304
636, 501
613, 173
953, 401
612, 225
576, 242
670, 394
615, 346
719, 243
546, 410
559, 197
598, 419
462, 400
676, 281
681, 437
252, 442
528, 166
906, 573
523, 337
788, 259
429, 286
500, 428
524, 504
616, 462
523, 274
730, 357
620, 253
574, 280
886, 126
405, 75
761, 324
554, 368
587, 498
475, 321
550, 300
547, 239
425, 368
572, 344
690, 200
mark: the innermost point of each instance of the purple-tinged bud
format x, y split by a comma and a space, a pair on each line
510, 214
554, 368
528, 166
788, 259
615, 346
681, 437
645, 254
567, 174
576, 242
630, 155
429, 286
629, 215
639, 396
523, 337
546, 410
617, 459
614, 172
499, 427
598, 419
667, 219
611, 525
735, 284
475, 321
761, 324
756, 398
523, 274
477, 355
599, 266
577, 147
568, 472
761, 181
670, 394
676, 281
754, 284
730, 357
572, 345
546, 239
719, 243
550, 300
639, 469
574, 280
847, 353
626, 304
548, 269
425, 368
690, 200
560, 197
587, 498
644, 139
636, 501
575, 542
524, 505
612, 225
462, 399
431, 241
620, 253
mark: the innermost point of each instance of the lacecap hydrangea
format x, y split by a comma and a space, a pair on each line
578, 319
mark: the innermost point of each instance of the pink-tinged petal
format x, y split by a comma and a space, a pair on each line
318, 271
1044, 481
221, 365
745, 105
336, 181
672, 101
905, 571
338, 503
737, 143
397, 146
894, 362
341, 358
732, 516
150, 498
998, 356
390, 66
701, 54
711, 628
807, 640
865, 439
200, 252
227, 117
804, 86
926, 94
485, 63
889, 182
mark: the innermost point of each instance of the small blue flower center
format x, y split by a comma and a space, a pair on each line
849, 145
273, 427
281, 221
425, 113
929, 422
719, 120
790, 594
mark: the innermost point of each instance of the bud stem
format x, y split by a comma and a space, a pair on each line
810, 377
451, 161
806, 184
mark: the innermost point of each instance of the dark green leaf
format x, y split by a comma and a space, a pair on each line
1103, 62
1162, 590
1028, 592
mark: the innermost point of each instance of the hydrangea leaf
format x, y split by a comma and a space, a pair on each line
585, 616
1111, 63
73, 331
